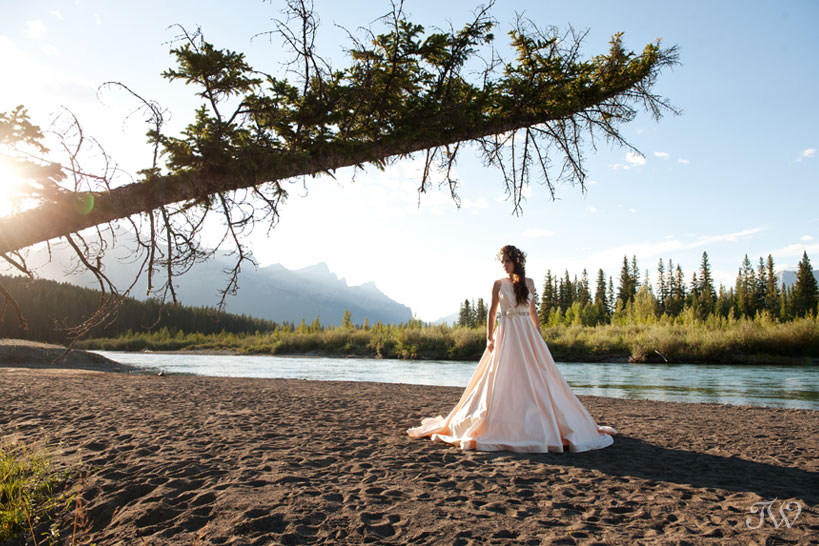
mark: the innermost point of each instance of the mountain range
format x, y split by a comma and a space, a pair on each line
273, 292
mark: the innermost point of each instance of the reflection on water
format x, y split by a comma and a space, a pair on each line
779, 386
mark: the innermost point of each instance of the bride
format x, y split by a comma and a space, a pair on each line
516, 400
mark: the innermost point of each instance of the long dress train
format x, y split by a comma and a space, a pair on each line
517, 399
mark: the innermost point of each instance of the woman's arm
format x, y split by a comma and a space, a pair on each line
490, 319
530, 284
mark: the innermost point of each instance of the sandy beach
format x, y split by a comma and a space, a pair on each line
198, 460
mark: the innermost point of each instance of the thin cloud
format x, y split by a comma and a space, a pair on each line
592, 209
797, 249
806, 154
725, 237
670, 244
538, 232
633, 159
662, 155
35, 29
806, 238
97, 19
56, 14
682, 161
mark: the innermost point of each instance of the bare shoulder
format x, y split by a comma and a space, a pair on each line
530, 283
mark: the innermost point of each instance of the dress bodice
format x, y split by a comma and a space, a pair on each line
508, 301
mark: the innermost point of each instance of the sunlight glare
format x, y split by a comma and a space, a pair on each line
10, 184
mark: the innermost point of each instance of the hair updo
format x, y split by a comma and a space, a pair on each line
518, 259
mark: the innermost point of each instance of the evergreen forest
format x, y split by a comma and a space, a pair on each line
52, 309
756, 293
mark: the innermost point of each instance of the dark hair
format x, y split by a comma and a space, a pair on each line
518, 258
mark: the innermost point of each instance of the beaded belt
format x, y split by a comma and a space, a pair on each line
513, 312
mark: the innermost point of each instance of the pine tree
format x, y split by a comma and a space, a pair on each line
565, 292
610, 301
694, 290
805, 295
600, 288
624, 287
746, 289
723, 304
635, 275
583, 291
465, 314
480, 312
600, 299
784, 303
548, 300
677, 291
628, 281
761, 285
771, 289
662, 287
708, 295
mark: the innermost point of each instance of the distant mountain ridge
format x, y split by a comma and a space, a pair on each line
277, 293
273, 292
788, 278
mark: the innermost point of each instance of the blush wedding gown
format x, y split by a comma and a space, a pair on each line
517, 399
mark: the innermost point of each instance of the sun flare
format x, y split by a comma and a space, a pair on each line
10, 184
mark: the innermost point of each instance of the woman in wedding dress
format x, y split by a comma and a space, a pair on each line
517, 399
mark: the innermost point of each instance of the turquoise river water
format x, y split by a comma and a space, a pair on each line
775, 386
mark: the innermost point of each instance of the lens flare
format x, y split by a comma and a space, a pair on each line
84, 203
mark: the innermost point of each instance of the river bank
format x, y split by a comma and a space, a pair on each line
734, 342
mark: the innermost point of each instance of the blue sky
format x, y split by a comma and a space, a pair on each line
736, 173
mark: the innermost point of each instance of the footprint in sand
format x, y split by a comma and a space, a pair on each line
266, 523
378, 524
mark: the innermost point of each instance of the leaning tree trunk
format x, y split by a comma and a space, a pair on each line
71, 213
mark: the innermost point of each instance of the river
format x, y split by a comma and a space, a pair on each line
775, 386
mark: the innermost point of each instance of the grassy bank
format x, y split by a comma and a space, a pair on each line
724, 341
30, 495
